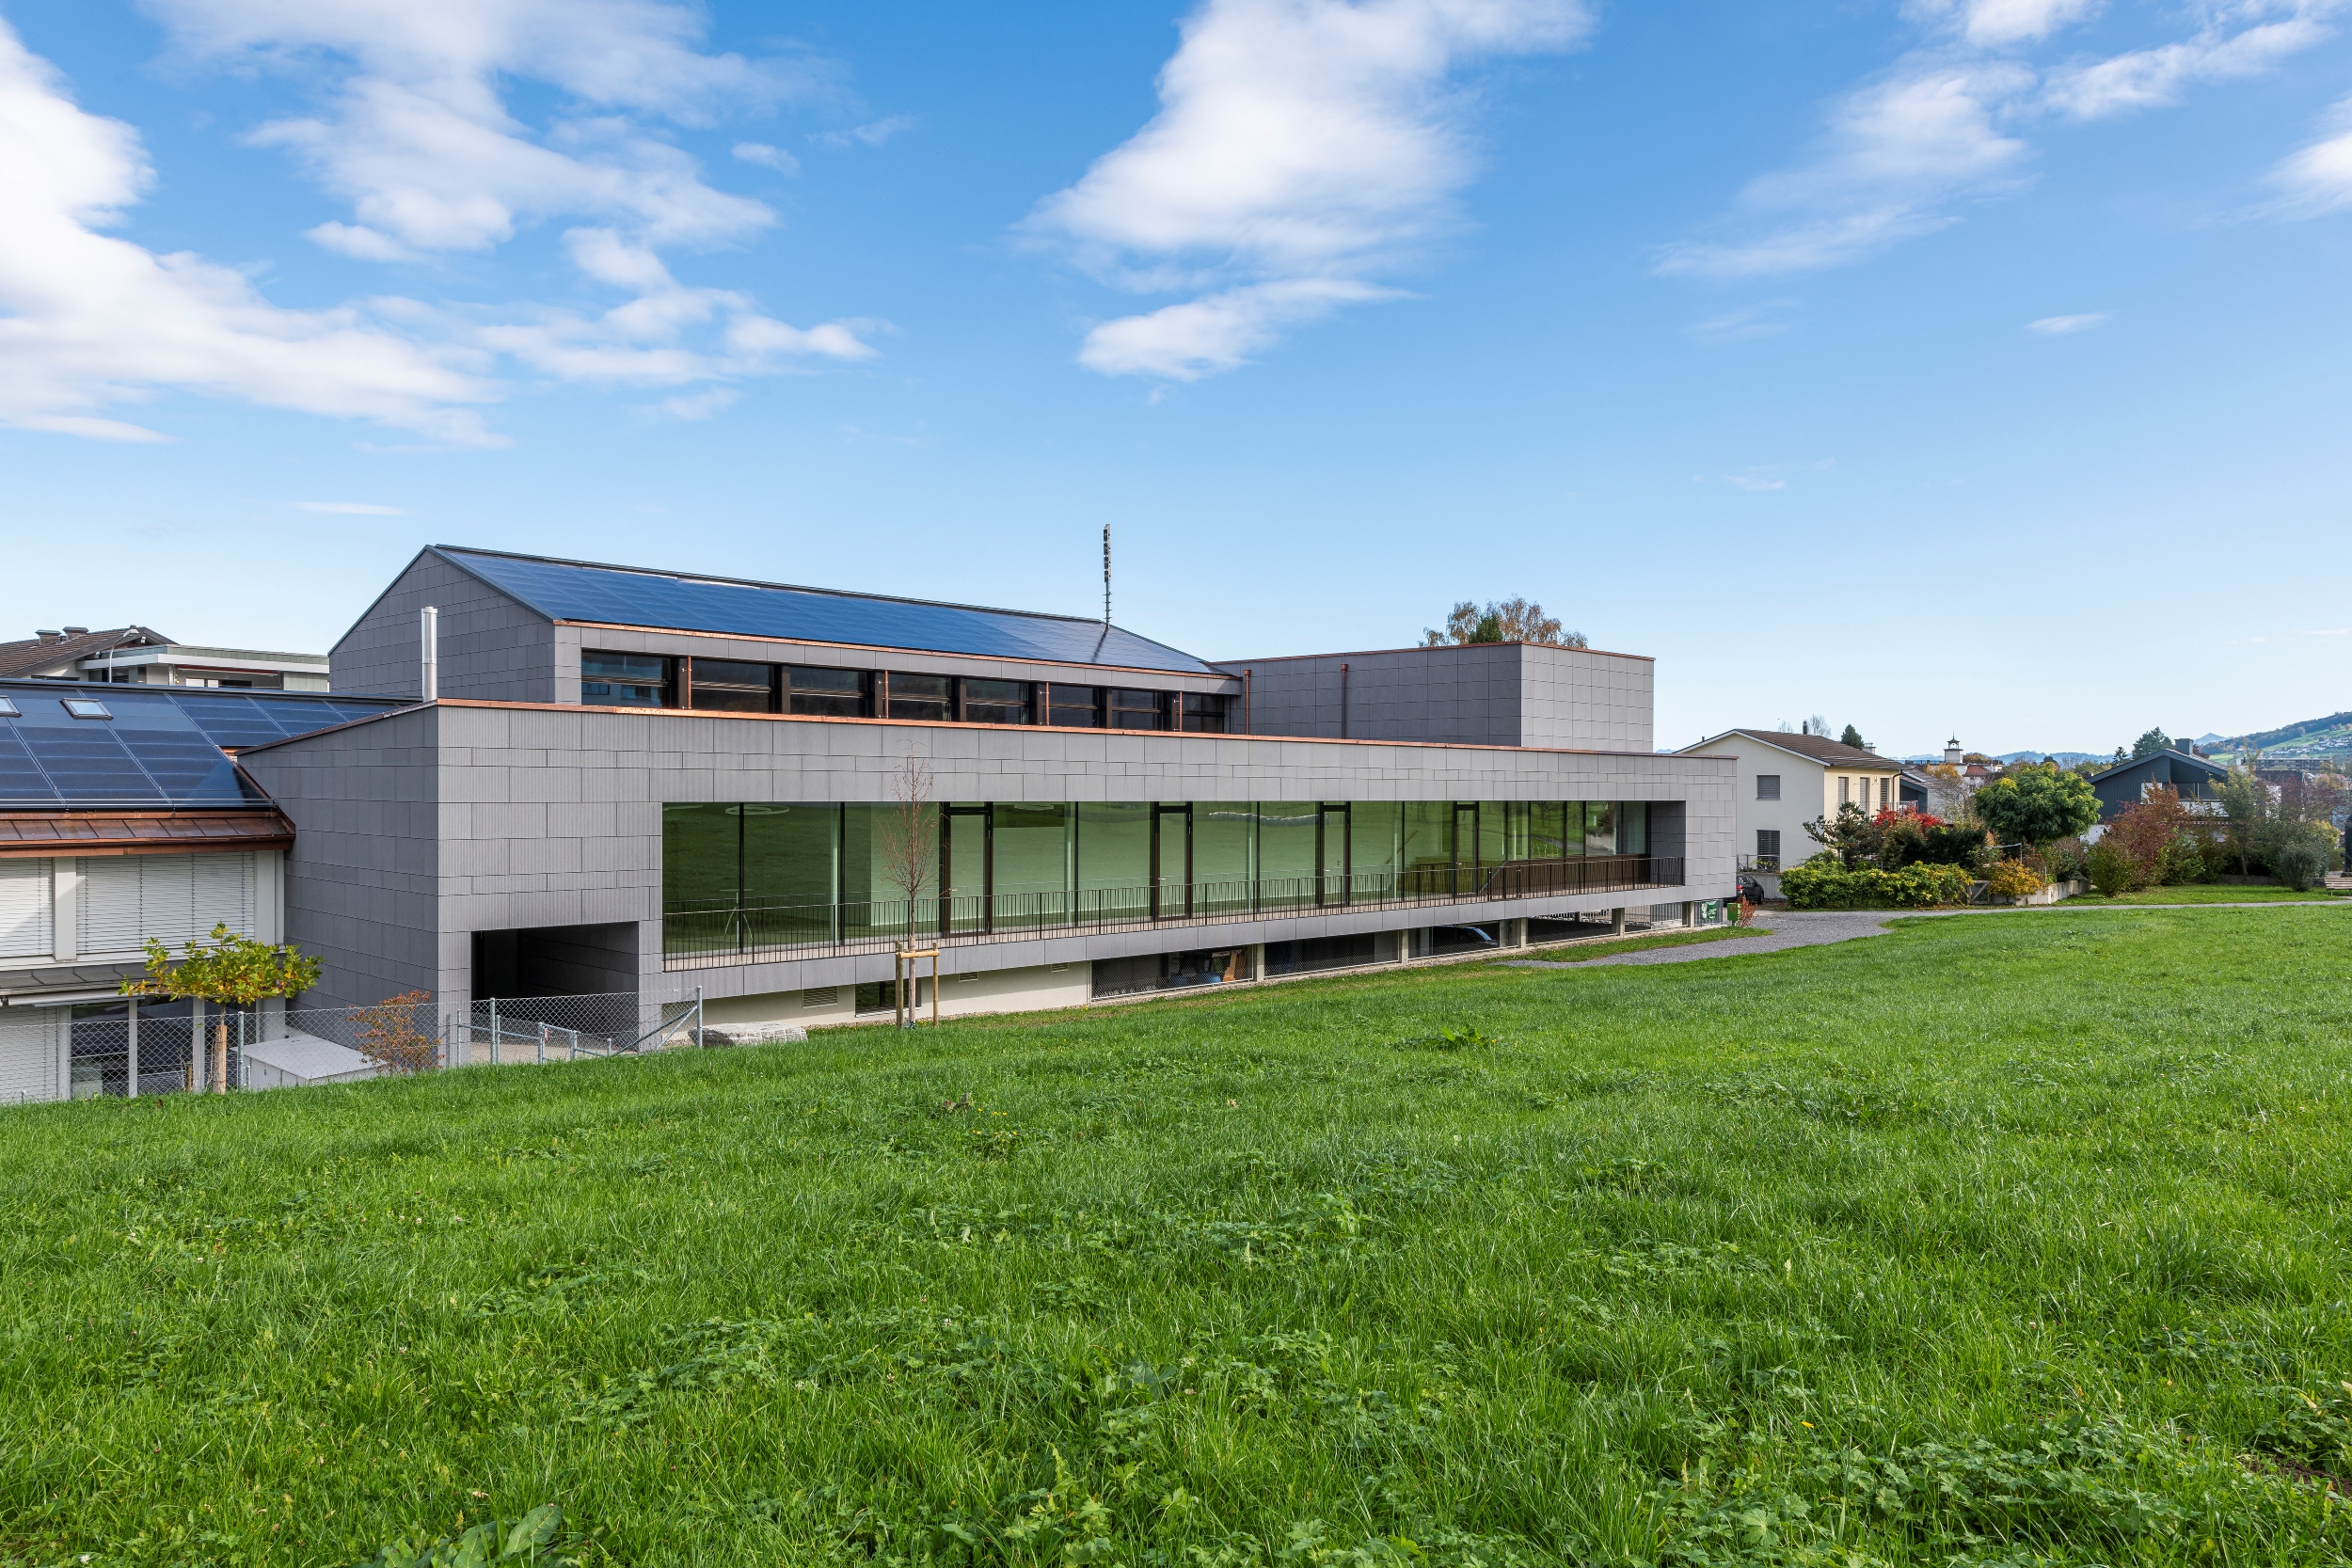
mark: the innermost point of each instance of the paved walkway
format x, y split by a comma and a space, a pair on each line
1781, 929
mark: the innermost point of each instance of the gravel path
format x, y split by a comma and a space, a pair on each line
1785, 929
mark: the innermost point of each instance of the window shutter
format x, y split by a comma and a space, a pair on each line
26, 910
174, 899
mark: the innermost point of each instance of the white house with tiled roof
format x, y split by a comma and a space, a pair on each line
1785, 780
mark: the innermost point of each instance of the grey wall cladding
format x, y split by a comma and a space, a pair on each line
1484, 694
491, 647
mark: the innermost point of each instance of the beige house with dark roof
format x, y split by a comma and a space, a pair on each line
1785, 780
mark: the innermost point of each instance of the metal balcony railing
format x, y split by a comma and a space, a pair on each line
699, 939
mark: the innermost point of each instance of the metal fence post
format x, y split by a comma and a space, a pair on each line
698, 1018
543, 1042
494, 1031
131, 1045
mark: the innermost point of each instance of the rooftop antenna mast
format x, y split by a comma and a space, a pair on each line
1107, 576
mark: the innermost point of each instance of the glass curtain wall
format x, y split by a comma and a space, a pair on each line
737, 875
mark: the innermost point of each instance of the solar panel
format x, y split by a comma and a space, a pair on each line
160, 747
574, 592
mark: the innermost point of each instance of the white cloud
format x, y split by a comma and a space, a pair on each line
1758, 484
1746, 323
1945, 124
1302, 147
871, 135
416, 133
1200, 337
2058, 326
768, 157
1994, 23
2317, 180
2153, 78
1895, 153
88, 319
353, 509
696, 405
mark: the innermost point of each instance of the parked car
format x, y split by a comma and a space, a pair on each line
1751, 891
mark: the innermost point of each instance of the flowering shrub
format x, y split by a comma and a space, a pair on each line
2013, 879
1832, 887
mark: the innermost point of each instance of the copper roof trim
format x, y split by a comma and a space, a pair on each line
140, 832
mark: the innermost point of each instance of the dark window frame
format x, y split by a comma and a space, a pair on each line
666, 687
1764, 779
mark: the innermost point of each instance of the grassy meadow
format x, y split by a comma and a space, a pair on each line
1988, 1242
2208, 893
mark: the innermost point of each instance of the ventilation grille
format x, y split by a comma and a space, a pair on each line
821, 996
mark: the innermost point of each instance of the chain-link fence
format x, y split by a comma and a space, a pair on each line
82, 1052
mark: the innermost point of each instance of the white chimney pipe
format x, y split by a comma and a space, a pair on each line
429, 637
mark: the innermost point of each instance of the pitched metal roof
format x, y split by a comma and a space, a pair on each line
140, 832
633, 596
156, 746
2197, 764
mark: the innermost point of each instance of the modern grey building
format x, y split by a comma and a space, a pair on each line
652, 783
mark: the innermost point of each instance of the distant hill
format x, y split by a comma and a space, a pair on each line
2312, 740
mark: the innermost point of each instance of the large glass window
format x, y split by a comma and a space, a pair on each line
790, 855
931, 698
1376, 830
739, 878
829, 693
1224, 856
1428, 846
1032, 862
730, 686
1601, 828
1114, 860
996, 702
1077, 707
624, 680
1289, 856
1204, 711
1137, 710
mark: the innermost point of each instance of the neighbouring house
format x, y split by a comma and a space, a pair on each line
604, 782
124, 818
2126, 785
140, 656
1784, 781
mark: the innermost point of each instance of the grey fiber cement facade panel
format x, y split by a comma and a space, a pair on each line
490, 646
414, 831
1481, 694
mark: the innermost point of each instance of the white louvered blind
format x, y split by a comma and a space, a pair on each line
174, 899
25, 909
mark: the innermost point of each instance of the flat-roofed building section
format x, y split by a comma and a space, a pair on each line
1481, 693
749, 856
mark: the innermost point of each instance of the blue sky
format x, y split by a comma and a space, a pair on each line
1950, 366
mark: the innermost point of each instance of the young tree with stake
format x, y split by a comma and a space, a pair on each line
233, 971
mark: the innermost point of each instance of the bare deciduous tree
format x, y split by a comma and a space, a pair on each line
910, 835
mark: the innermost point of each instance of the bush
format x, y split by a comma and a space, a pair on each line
2181, 863
1812, 886
2013, 879
2113, 873
2063, 859
2298, 855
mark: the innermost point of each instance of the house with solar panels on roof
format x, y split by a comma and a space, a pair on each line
605, 781
124, 818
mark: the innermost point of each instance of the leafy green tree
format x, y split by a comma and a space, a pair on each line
1512, 620
2154, 743
234, 970
1853, 737
2035, 803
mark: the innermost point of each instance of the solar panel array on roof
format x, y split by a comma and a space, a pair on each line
575, 590
158, 747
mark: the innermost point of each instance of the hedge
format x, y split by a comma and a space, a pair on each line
1915, 887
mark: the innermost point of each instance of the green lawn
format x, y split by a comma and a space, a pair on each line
1585, 952
1995, 1241
2204, 893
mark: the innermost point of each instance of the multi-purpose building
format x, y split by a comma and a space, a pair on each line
642, 783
